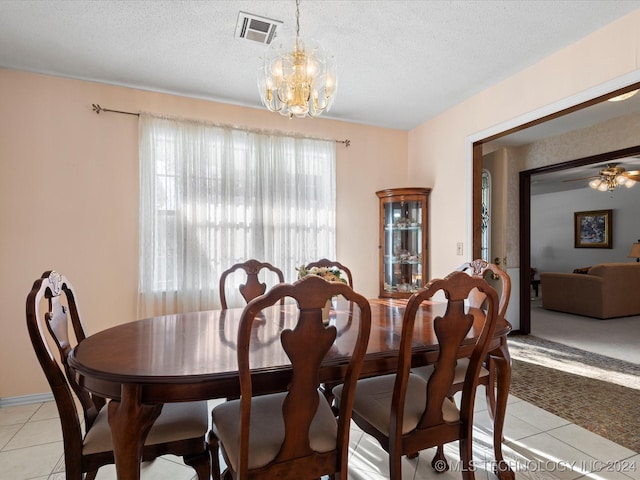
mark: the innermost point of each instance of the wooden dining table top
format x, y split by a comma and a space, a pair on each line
189, 356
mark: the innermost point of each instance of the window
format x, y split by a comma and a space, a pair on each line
486, 216
212, 196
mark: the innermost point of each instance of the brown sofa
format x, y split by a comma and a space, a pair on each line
606, 290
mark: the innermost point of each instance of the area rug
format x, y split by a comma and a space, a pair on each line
598, 393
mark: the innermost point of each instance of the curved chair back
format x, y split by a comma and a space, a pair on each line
252, 287
324, 262
295, 433
407, 413
87, 453
451, 329
61, 301
482, 269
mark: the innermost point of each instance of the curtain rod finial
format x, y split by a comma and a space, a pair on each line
97, 108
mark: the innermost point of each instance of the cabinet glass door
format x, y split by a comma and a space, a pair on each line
402, 244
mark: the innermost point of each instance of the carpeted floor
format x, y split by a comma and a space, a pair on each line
614, 337
599, 393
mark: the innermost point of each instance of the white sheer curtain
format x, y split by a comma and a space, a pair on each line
212, 196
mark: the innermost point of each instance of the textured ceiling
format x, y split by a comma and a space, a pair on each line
400, 62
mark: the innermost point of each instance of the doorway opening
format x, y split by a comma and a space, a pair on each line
524, 194
525, 216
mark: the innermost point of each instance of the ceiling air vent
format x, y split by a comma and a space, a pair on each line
256, 28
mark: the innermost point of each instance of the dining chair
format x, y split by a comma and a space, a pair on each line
492, 273
495, 276
293, 434
253, 287
179, 430
324, 262
407, 413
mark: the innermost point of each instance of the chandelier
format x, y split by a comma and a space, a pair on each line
612, 177
297, 78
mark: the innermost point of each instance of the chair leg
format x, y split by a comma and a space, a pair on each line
214, 448
91, 475
491, 387
395, 465
466, 457
439, 462
201, 463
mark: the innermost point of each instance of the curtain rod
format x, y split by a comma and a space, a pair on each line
98, 109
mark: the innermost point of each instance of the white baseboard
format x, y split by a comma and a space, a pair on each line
26, 399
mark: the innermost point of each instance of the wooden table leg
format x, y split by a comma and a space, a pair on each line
130, 422
502, 361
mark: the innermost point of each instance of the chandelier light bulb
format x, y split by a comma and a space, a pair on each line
330, 84
277, 71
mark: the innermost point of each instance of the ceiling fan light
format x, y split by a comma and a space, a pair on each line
624, 96
613, 176
595, 183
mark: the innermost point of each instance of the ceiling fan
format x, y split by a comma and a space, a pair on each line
610, 177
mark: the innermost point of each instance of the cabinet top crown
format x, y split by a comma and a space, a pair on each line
391, 192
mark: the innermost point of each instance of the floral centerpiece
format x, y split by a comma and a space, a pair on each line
330, 274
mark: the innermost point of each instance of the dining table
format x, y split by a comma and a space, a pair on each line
142, 364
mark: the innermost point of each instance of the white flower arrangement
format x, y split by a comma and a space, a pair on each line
330, 274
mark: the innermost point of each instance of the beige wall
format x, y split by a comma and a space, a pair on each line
69, 197
440, 149
68, 188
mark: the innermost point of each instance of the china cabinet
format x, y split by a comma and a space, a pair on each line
403, 240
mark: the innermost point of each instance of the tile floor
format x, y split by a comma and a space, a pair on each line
538, 445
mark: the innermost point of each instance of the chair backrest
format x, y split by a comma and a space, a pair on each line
253, 287
482, 269
306, 345
326, 263
451, 330
60, 311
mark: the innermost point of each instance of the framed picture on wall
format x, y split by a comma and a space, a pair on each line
593, 229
